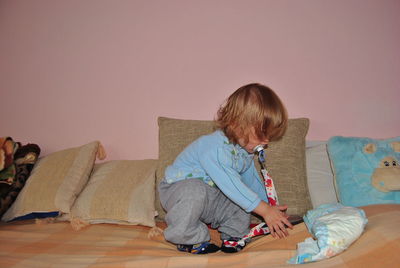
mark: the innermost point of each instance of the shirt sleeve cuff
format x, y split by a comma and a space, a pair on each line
253, 205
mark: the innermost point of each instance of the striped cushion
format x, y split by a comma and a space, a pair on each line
120, 192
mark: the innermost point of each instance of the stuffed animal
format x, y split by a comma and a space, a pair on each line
7, 148
367, 171
7, 167
17, 163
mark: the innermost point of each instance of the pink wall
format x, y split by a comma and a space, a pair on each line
75, 71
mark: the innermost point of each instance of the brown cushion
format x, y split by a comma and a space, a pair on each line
285, 158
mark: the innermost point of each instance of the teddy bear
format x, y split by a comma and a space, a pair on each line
7, 168
16, 164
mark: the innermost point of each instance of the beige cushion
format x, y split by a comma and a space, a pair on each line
120, 192
285, 158
55, 182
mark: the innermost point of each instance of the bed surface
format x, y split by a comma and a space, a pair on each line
27, 244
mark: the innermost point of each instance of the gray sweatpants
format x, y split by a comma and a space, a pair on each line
191, 205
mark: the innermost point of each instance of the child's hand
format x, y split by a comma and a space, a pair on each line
275, 217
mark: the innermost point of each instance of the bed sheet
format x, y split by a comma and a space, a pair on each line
26, 244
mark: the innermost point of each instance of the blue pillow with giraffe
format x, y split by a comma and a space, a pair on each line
366, 170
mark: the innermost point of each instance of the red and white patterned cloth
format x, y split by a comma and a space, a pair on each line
262, 228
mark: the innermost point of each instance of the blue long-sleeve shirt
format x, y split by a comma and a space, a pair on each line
216, 161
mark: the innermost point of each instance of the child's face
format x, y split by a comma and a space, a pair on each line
253, 142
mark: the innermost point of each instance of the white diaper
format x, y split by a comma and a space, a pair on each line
334, 227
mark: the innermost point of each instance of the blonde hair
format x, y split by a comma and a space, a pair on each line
252, 105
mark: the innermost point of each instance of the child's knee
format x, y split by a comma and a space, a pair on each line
192, 189
190, 192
